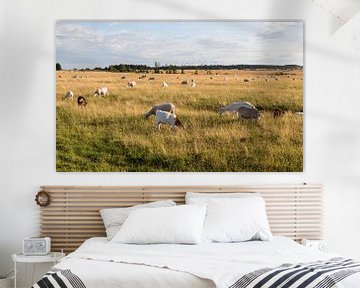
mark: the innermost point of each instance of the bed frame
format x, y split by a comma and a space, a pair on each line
73, 215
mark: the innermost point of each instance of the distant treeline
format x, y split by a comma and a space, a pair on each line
174, 69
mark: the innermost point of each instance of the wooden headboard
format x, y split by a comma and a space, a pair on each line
73, 215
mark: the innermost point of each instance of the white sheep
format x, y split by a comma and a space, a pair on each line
69, 95
193, 84
131, 84
164, 117
233, 107
164, 85
101, 92
168, 107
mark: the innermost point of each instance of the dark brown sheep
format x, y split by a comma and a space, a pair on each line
81, 101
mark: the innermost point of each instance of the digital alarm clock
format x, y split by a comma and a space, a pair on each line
36, 246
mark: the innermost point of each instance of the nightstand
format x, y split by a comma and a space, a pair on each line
320, 245
53, 257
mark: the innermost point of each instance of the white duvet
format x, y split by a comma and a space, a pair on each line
100, 263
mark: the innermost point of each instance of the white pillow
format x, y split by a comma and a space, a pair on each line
204, 198
236, 220
113, 218
173, 225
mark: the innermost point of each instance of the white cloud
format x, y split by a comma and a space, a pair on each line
112, 43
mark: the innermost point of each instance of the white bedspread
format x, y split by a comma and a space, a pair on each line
102, 264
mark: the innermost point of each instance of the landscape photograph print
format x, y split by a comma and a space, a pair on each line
189, 96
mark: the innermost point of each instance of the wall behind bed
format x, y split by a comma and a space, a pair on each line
27, 113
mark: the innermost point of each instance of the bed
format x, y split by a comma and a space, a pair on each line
294, 211
99, 263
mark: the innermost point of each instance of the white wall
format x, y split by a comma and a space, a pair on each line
27, 109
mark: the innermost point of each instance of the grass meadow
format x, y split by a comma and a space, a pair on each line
111, 134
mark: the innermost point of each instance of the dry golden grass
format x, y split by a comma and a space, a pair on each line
111, 134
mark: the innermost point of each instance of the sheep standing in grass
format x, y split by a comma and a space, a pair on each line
164, 85
164, 117
193, 84
168, 107
248, 112
81, 101
101, 92
69, 95
233, 108
185, 82
131, 84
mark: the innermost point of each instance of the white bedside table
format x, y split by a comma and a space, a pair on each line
53, 257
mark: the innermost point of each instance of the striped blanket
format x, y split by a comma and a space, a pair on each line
320, 274
59, 278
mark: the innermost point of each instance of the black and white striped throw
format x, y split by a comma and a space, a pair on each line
320, 274
59, 278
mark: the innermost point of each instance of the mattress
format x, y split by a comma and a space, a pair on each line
99, 263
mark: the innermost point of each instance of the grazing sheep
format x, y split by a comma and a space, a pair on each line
123, 77
233, 107
152, 78
276, 79
131, 84
69, 95
185, 82
278, 112
168, 107
101, 92
164, 117
164, 85
248, 112
81, 100
246, 80
193, 84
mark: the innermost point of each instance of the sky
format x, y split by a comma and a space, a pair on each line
89, 44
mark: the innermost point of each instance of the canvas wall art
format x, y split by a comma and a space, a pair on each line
192, 96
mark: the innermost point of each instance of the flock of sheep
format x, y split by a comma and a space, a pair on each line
103, 91
165, 113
